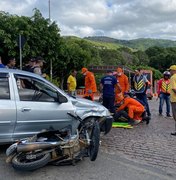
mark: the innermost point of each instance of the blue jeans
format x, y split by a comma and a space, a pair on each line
164, 97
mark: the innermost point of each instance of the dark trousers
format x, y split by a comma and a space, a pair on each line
108, 102
143, 98
121, 116
173, 104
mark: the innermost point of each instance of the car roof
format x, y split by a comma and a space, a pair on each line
21, 72
6, 70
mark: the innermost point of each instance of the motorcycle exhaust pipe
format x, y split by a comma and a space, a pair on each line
37, 145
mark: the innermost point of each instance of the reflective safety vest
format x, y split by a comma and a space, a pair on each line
165, 86
139, 84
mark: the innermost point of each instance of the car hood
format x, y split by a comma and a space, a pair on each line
85, 108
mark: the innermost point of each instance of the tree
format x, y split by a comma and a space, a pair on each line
161, 58
156, 73
109, 56
142, 58
154, 51
42, 38
72, 56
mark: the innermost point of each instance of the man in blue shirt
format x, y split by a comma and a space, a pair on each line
1, 65
107, 86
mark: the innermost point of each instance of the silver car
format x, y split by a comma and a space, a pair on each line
30, 103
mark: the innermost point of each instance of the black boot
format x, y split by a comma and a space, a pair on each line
173, 134
147, 119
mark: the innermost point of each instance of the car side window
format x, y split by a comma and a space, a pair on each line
4, 86
31, 89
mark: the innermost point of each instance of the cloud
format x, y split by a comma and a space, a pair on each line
121, 19
17, 6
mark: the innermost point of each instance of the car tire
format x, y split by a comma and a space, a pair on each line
95, 142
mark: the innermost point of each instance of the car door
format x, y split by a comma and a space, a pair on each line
38, 107
7, 108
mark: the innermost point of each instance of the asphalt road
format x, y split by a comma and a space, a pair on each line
107, 166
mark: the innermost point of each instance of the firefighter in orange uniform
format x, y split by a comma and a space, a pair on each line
123, 81
163, 92
135, 108
90, 84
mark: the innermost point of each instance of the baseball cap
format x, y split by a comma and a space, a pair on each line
83, 70
173, 67
39, 58
32, 60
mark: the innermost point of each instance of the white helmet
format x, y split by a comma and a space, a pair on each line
166, 73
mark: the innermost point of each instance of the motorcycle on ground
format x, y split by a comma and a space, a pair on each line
56, 146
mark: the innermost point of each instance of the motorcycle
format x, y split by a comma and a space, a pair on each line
56, 146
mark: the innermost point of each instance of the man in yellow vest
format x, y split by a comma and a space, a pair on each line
140, 87
71, 83
163, 92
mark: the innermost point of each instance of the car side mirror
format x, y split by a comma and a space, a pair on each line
62, 99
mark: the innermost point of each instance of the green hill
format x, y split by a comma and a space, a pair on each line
98, 44
141, 44
103, 42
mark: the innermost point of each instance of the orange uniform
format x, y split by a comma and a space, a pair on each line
90, 83
135, 108
123, 80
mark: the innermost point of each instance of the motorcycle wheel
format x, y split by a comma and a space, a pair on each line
20, 162
95, 141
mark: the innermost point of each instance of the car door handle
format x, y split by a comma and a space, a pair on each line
25, 109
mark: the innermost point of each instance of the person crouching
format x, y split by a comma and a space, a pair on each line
131, 106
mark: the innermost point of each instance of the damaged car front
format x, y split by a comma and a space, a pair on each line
87, 109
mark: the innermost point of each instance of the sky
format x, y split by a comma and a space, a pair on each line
119, 19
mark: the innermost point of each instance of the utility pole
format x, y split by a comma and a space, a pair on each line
49, 10
20, 48
51, 62
21, 41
